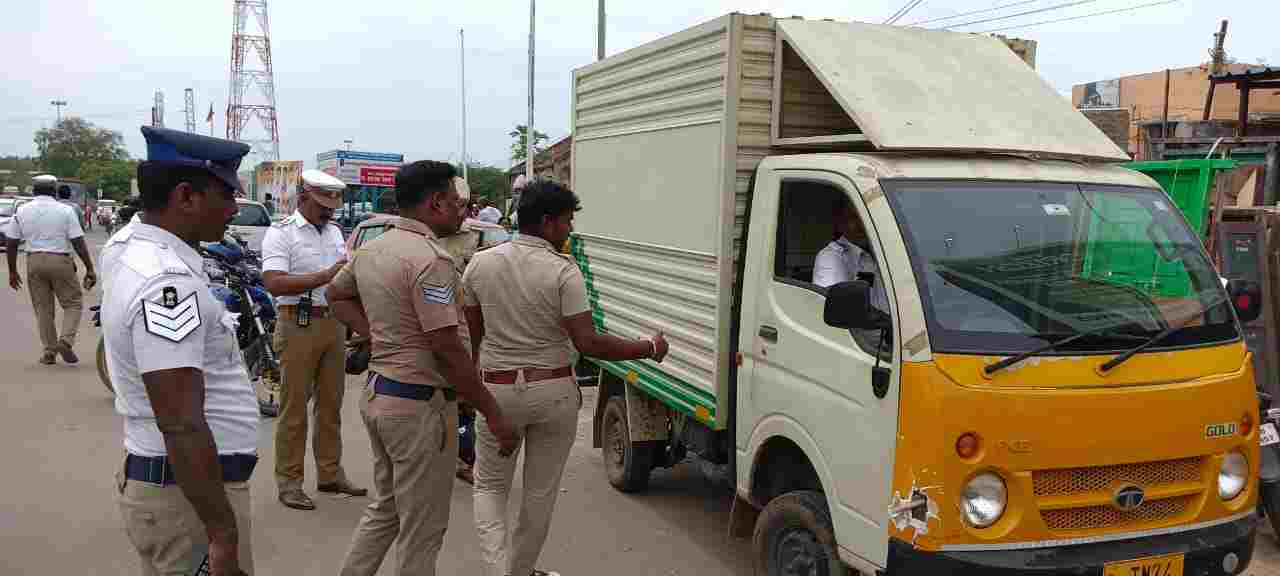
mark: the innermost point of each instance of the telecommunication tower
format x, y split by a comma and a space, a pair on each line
251, 65
189, 110
157, 110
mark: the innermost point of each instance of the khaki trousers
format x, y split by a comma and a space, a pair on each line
164, 527
51, 275
545, 415
414, 446
311, 366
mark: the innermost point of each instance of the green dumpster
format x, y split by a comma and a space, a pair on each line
1116, 255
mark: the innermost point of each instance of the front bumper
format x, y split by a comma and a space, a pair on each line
1204, 550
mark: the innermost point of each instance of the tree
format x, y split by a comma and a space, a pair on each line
16, 171
487, 182
110, 177
519, 148
75, 141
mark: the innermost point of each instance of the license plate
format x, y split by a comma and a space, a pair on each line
1170, 565
1267, 434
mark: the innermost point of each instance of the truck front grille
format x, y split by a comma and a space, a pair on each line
1102, 478
1108, 517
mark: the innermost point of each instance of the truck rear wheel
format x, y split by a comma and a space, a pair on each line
794, 537
627, 463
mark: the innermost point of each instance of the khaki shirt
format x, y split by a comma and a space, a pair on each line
524, 288
408, 285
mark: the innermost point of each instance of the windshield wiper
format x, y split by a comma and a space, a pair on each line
1010, 361
1174, 327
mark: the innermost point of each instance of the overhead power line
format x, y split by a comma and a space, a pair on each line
983, 11
1025, 13
1103, 13
908, 7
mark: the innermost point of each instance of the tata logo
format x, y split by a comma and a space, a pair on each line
1220, 430
1129, 497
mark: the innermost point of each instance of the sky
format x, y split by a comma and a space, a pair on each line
385, 73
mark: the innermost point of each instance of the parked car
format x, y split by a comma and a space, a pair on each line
8, 206
473, 237
251, 223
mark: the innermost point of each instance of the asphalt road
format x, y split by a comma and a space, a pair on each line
62, 443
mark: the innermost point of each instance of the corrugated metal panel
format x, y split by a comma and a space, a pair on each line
678, 81
755, 111
641, 287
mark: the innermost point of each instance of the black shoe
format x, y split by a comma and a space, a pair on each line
342, 487
68, 355
49, 357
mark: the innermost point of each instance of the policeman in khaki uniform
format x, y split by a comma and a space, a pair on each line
527, 310
190, 412
51, 230
300, 255
401, 290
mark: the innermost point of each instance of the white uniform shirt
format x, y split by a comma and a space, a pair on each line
158, 314
489, 214
46, 225
295, 246
841, 261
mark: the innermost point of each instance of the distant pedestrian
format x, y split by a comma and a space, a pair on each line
300, 255
401, 290
190, 412
488, 213
51, 231
527, 311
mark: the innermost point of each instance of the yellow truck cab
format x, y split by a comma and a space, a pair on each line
917, 313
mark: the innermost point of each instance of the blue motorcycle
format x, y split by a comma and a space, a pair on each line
236, 280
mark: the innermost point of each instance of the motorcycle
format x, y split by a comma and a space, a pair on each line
237, 283
235, 280
1269, 469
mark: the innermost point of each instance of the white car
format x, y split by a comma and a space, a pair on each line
251, 223
8, 206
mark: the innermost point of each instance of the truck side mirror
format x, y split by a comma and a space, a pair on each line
1246, 298
848, 306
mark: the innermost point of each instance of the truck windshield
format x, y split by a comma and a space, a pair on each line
1009, 266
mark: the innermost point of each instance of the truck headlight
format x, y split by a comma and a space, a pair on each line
1233, 475
983, 500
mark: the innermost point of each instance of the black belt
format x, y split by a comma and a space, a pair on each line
423, 392
157, 470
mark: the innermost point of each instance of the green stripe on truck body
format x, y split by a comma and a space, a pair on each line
647, 376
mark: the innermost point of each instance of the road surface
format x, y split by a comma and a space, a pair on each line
62, 444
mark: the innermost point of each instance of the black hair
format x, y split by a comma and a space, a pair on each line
64, 192
156, 181
544, 198
417, 182
43, 189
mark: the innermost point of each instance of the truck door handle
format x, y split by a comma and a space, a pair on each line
769, 333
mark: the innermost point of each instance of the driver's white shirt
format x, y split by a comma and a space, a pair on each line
158, 314
841, 261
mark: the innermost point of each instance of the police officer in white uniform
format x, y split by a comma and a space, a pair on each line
190, 412
51, 230
300, 255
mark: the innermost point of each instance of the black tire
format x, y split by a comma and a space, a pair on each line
1270, 500
102, 366
627, 463
794, 537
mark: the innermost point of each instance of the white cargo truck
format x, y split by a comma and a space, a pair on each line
915, 309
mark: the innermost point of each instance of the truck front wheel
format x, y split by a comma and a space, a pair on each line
627, 463
794, 537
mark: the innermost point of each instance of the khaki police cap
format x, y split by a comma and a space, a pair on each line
325, 189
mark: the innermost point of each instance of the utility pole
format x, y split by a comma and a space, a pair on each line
600, 32
58, 104
1218, 58
462, 52
529, 128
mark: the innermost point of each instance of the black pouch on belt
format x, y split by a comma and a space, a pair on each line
304, 309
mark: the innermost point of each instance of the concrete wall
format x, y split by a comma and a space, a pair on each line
1143, 96
1114, 122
